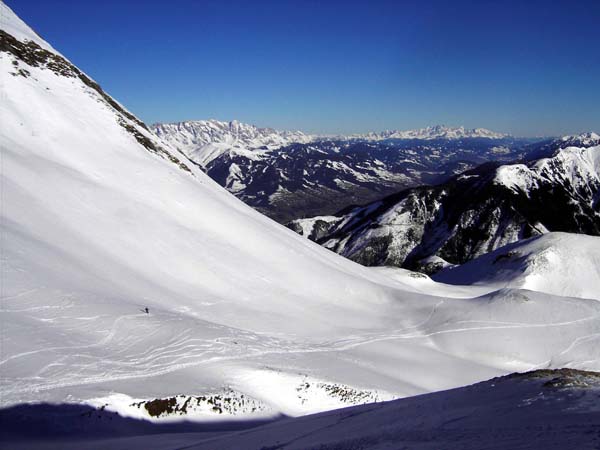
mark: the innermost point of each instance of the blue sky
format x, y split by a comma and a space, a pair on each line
527, 67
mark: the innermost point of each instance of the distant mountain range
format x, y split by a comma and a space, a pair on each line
205, 140
428, 228
290, 175
434, 132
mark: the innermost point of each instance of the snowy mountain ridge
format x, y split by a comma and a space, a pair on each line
473, 213
434, 132
205, 140
576, 162
589, 139
288, 175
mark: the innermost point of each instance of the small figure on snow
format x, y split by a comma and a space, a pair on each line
146, 310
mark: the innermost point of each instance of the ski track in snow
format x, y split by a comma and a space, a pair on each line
169, 358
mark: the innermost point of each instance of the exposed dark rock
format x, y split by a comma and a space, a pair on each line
159, 407
229, 402
561, 378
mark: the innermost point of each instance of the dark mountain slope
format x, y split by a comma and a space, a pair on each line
473, 213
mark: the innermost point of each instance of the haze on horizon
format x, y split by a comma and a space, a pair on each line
342, 67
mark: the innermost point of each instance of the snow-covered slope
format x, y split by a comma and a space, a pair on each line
100, 219
549, 409
557, 263
473, 213
543, 409
14, 26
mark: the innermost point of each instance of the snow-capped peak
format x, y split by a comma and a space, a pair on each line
434, 132
212, 131
571, 159
207, 139
589, 139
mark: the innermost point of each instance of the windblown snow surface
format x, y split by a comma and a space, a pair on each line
556, 263
100, 219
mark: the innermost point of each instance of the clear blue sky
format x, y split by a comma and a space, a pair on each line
525, 67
